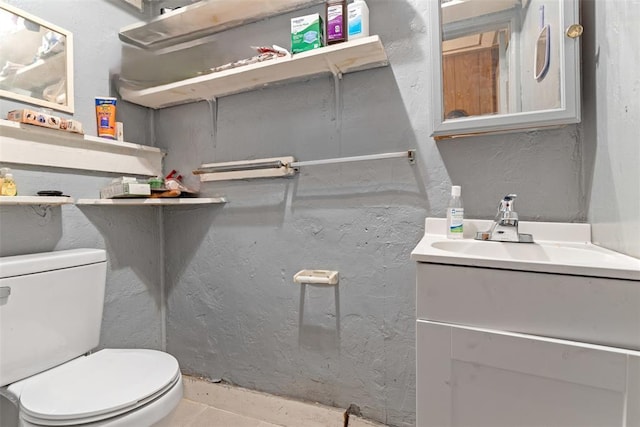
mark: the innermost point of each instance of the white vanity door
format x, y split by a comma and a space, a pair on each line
478, 377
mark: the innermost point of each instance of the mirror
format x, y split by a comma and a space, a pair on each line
36, 60
503, 65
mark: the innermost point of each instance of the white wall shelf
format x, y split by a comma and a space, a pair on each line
185, 201
204, 18
35, 200
33, 145
342, 58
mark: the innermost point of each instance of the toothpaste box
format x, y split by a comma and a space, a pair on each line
37, 118
307, 32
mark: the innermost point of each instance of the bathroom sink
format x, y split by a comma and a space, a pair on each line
558, 253
558, 248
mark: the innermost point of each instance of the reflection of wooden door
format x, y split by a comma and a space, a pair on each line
471, 81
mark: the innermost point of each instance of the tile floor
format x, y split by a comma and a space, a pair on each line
207, 404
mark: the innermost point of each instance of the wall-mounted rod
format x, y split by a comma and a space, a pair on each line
280, 166
215, 168
410, 154
245, 169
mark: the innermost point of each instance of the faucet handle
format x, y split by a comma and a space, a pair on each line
506, 204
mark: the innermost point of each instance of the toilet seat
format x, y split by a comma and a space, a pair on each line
102, 385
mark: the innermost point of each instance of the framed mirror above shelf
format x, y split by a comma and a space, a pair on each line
36, 60
504, 65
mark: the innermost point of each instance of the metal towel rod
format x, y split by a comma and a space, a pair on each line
252, 165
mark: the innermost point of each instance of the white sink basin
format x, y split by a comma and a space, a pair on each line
572, 253
559, 253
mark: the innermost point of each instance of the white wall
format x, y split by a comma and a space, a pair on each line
611, 123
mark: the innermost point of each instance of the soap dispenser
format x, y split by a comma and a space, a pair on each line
455, 214
8, 185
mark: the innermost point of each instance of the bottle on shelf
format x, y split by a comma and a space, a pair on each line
455, 214
336, 21
8, 185
358, 19
3, 172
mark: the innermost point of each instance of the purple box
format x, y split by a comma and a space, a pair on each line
336, 22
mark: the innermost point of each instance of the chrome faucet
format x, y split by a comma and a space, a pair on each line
505, 224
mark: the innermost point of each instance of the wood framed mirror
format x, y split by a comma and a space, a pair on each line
484, 78
36, 60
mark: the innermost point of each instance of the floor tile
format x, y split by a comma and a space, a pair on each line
185, 413
230, 406
213, 417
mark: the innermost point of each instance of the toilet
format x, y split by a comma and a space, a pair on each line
50, 317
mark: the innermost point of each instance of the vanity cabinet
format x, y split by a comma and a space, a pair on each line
500, 347
478, 377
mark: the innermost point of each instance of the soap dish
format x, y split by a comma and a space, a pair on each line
316, 277
51, 193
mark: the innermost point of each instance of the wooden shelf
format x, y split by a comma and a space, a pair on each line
351, 56
33, 145
56, 201
186, 201
35, 200
205, 18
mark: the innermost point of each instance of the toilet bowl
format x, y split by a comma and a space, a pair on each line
48, 305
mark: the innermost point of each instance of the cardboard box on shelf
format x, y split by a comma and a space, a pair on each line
38, 118
307, 32
125, 189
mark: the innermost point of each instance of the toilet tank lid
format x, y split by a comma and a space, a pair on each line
19, 265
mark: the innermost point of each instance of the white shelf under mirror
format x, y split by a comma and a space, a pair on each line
341, 58
34, 145
35, 200
204, 18
186, 201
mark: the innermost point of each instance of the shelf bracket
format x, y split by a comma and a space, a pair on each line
213, 111
337, 79
334, 70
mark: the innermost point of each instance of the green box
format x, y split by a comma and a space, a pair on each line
307, 32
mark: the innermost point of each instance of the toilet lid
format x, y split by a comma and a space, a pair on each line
101, 385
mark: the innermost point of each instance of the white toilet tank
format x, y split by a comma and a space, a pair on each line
50, 309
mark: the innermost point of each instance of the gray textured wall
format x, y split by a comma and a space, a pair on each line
611, 125
233, 309
132, 316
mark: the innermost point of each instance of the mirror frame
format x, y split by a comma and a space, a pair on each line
568, 113
69, 106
